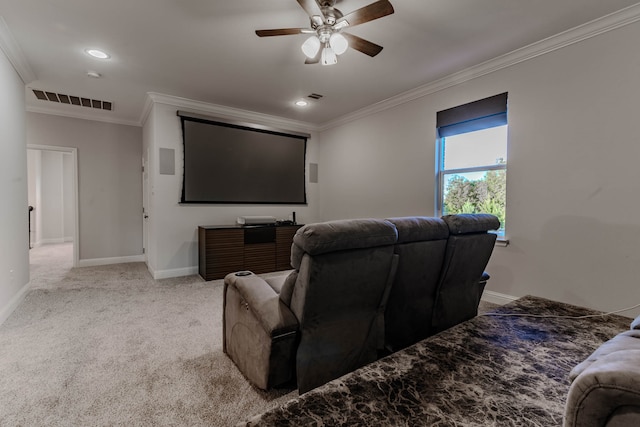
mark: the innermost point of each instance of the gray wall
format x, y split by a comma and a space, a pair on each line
14, 243
109, 181
572, 180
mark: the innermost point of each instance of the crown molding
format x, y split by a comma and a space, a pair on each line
223, 112
10, 48
577, 34
79, 115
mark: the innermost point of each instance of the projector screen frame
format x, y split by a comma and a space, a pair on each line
248, 127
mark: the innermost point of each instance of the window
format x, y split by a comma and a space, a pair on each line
472, 160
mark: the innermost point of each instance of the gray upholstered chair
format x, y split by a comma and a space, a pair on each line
463, 279
421, 248
605, 387
323, 320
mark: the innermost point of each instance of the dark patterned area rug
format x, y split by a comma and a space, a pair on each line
493, 370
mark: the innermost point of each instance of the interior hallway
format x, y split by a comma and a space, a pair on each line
49, 263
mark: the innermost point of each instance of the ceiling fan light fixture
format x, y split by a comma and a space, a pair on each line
97, 53
311, 46
316, 21
328, 56
338, 43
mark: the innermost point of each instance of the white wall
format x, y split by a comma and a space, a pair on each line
51, 207
14, 243
68, 202
573, 174
109, 180
173, 237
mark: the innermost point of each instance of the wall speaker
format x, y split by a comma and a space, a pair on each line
313, 173
167, 161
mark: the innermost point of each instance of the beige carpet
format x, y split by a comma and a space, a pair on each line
109, 345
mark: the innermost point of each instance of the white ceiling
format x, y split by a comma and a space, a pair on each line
207, 50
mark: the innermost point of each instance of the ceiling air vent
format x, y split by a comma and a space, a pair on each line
314, 96
73, 100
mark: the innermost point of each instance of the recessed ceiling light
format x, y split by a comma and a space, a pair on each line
94, 74
96, 53
302, 103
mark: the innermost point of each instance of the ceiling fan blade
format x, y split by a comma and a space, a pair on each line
311, 7
368, 13
362, 45
281, 32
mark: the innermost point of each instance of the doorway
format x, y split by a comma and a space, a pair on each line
145, 205
53, 200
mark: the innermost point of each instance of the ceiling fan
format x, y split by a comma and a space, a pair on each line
327, 24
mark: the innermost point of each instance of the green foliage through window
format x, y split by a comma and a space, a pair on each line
484, 195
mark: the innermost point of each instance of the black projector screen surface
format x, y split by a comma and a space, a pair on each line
228, 163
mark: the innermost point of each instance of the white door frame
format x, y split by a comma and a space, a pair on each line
145, 206
74, 162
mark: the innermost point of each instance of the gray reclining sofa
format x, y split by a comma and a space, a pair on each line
605, 387
360, 288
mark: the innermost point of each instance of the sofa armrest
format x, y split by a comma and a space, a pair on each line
609, 388
636, 323
259, 297
624, 341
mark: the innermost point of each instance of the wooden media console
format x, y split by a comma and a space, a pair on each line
224, 249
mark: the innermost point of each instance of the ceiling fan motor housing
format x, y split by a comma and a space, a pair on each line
327, 3
331, 14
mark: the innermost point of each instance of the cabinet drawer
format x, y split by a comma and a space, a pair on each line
260, 257
224, 237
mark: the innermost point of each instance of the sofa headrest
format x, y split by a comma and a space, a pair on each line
471, 223
340, 235
418, 228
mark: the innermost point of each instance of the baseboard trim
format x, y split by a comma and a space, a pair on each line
497, 298
174, 272
108, 261
6, 311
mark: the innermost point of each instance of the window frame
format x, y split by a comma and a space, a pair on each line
441, 174
468, 118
